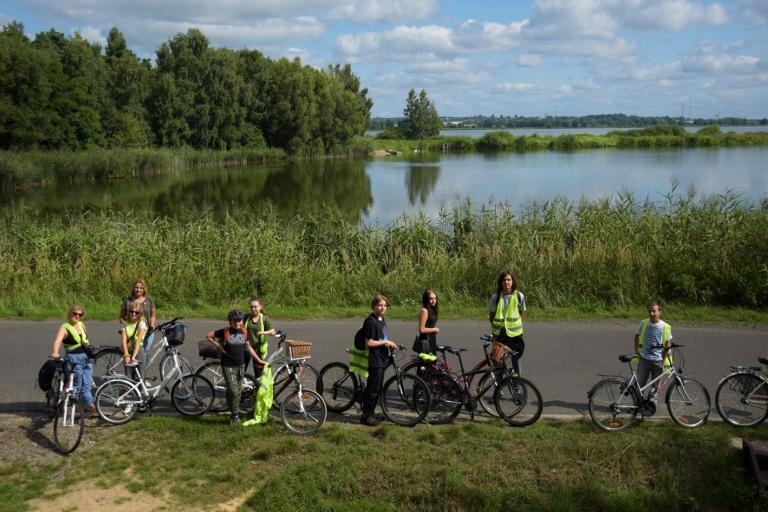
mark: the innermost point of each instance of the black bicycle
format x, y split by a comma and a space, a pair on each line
404, 398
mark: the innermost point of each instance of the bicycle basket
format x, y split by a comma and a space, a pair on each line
207, 350
298, 349
176, 334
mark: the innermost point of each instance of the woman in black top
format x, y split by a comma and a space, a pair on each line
428, 321
378, 344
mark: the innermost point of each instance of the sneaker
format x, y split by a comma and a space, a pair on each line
371, 421
234, 421
92, 412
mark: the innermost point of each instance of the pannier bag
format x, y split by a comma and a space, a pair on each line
176, 334
207, 350
45, 375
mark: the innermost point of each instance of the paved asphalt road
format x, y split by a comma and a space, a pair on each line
562, 359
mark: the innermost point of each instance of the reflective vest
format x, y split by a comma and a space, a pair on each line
427, 357
358, 361
79, 340
262, 348
664, 337
510, 319
131, 333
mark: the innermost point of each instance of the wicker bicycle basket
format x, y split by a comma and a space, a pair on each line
298, 349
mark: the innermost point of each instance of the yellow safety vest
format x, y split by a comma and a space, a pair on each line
510, 319
664, 337
358, 361
262, 339
131, 334
79, 340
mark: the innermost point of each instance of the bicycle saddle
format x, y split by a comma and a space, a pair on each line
442, 348
763, 360
456, 350
625, 358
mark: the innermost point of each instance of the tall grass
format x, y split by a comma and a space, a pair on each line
98, 165
653, 137
612, 253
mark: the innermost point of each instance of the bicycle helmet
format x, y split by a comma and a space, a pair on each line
235, 315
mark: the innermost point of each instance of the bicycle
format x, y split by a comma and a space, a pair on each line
741, 398
118, 399
481, 394
614, 402
303, 411
516, 399
109, 360
404, 398
212, 371
69, 415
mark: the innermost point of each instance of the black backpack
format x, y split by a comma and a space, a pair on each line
46, 373
360, 339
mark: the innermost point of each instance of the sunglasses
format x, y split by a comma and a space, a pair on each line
78, 314
135, 312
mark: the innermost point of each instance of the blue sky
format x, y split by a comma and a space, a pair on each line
530, 58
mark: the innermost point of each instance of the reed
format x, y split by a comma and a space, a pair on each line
612, 253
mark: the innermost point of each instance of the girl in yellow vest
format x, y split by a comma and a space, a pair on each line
652, 335
259, 327
71, 335
133, 333
506, 312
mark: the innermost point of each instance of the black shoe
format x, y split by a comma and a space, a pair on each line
371, 421
234, 420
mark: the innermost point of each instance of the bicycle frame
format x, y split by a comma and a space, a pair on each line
148, 393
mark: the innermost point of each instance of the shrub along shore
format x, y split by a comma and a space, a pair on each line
588, 255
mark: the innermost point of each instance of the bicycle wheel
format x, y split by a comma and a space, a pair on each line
212, 372
68, 425
338, 387
107, 363
192, 395
303, 413
447, 398
117, 400
309, 377
484, 392
688, 403
167, 365
741, 400
518, 401
248, 395
405, 399
612, 406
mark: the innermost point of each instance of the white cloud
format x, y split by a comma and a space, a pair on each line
395, 11
400, 43
516, 86
529, 60
565, 89
4, 20
671, 15
92, 34
473, 34
756, 11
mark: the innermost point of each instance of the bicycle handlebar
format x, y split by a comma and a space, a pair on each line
160, 327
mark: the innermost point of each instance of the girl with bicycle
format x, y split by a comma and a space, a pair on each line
259, 327
377, 344
139, 291
71, 335
232, 343
428, 322
506, 312
132, 336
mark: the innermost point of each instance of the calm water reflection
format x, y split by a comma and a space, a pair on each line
378, 191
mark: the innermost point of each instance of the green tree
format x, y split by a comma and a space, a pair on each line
421, 118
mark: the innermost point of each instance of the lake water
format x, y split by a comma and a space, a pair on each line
376, 191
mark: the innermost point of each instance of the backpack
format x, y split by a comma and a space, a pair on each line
360, 339
45, 375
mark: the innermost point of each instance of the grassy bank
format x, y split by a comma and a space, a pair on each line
663, 137
203, 463
588, 257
